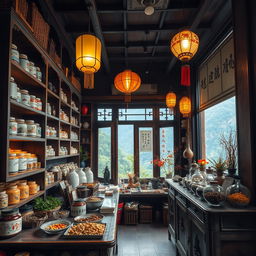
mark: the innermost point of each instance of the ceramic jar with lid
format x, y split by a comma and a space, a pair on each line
82, 191
38, 130
38, 74
82, 176
89, 175
73, 178
15, 55
78, 208
13, 126
13, 163
33, 102
39, 104
13, 89
22, 127
24, 190
25, 98
10, 223
48, 109
18, 95
3, 200
13, 194
24, 62
31, 128
32, 69
33, 187
22, 162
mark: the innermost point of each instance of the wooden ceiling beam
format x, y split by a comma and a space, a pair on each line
140, 57
138, 44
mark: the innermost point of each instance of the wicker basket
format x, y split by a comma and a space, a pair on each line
130, 215
48, 212
33, 221
146, 212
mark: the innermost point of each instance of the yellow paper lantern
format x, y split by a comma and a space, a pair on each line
184, 45
185, 106
127, 82
170, 100
88, 57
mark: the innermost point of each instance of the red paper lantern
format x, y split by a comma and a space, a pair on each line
84, 110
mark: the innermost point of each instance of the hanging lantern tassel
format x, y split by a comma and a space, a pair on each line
185, 75
127, 98
89, 81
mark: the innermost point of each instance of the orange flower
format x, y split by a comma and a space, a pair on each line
202, 161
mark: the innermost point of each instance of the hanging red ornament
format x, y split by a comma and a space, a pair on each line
185, 75
84, 110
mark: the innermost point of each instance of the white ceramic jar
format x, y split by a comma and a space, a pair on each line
18, 95
78, 208
13, 126
38, 74
13, 163
15, 53
24, 62
13, 89
82, 176
22, 127
73, 178
89, 175
31, 128
32, 69
25, 97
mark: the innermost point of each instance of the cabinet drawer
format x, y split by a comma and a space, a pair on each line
197, 213
181, 199
171, 191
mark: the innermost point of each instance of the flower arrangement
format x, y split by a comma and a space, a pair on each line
202, 163
166, 163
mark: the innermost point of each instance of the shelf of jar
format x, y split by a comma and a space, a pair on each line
20, 74
21, 175
53, 94
65, 104
59, 157
53, 117
52, 138
23, 138
52, 185
64, 122
75, 141
25, 201
26, 110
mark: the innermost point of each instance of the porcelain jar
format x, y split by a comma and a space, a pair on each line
89, 175
73, 178
13, 194
3, 200
24, 190
78, 208
82, 176
10, 222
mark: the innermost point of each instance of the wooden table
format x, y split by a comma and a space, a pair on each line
35, 240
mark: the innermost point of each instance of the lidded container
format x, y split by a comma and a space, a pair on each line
238, 195
13, 194
78, 208
193, 168
213, 194
38, 74
24, 189
3, 199
13, 126
32, 69
31, 128
18, 95
25, 98
13, 163
38, 130
15, 55
33, 187
22, 127
33, 102
10, 223
22, 162
209, 175
24, 62
13, 88
39, 104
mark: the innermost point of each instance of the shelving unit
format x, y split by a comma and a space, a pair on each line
52, 75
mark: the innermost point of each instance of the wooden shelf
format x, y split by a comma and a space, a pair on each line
53, 94
52, 138
52, 117
75, 141
64, 139
63, 103
20, 175
24, 109
76, 111
76, 126
22, 138
59, 157
64, 122
25, 201
20, 74
52, 185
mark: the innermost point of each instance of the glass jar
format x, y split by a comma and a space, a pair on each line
24, 190
238, 195
32, 69
13, 126
38, 74
31, 128
13, 88
213, 194
25, 98
15, 55
13, 163
13, 194
22, 162
24, 62
29, 162
32, 187
197, 177
39, 104
33, 102
3, 200
193, 168
38, 130
22, 127
18, 95
199, 190
10, 223
209, 175
78, 208
48, 109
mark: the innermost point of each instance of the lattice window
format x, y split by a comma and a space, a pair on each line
135, 114
104, 114
165, 115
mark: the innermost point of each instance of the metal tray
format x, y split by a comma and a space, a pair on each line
82, 237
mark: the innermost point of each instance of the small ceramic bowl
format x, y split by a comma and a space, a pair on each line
82, 218
45, 226
94, 202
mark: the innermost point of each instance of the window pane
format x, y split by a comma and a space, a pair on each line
125, 150
104, 150
218, 120
164, 114
146, 153
135, 114
166, 150
104, 114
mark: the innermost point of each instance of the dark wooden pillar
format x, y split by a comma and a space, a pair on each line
243, 18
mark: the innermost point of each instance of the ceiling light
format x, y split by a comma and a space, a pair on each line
149, 10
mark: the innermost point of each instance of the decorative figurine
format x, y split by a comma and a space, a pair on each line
106, 176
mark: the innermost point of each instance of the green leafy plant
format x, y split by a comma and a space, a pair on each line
219, 164
48, 204
84, 156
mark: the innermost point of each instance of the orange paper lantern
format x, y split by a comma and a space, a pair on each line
185, 106
127, 82
170, 101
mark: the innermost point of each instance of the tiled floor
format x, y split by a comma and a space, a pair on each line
144, 240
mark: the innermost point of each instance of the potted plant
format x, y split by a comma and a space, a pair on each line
84, 156
167, 163
220, 166
229, 143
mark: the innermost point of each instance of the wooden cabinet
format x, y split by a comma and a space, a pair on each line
199, 230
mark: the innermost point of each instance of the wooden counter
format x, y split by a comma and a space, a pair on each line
35, 239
